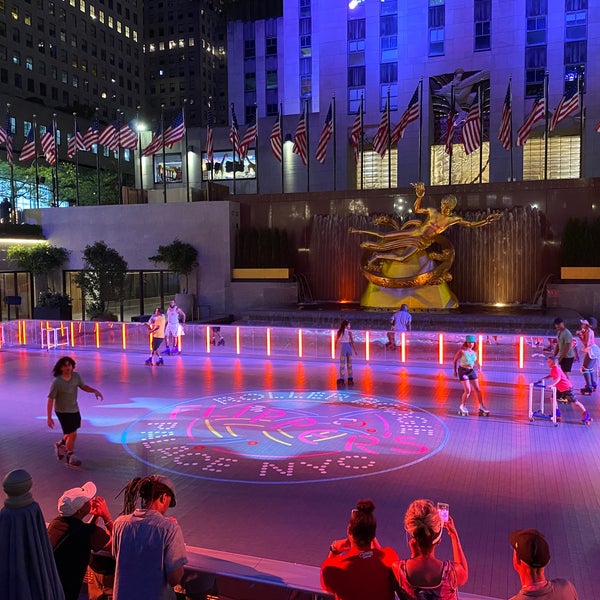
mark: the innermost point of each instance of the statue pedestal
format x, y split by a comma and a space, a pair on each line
424, 296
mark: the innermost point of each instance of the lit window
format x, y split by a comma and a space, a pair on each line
82, 5
29, 63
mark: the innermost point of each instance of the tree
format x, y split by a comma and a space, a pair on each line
180, 257
102, 278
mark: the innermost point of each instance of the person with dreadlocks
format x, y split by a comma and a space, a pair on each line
148, 546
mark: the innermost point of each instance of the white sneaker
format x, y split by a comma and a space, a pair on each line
72, 460
60, 450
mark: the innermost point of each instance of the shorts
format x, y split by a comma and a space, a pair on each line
465, 374
566, 364
568, 395
70, 422
156, 342
589, 364
172, 328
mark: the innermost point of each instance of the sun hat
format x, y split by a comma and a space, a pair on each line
470, 338
72, 500
531, 547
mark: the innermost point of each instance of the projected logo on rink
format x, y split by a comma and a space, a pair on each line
286, 436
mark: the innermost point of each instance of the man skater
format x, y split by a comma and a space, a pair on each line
174, 314
156, 324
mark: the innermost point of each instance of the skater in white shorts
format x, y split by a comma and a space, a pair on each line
172, 331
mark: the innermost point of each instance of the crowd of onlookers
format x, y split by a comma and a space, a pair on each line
141, 554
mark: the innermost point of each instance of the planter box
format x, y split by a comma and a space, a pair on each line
48, 313
262, 273
580, 272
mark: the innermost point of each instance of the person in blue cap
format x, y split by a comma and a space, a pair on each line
464, 368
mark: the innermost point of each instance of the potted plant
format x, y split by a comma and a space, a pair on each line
102, 280
181, 258
53, 306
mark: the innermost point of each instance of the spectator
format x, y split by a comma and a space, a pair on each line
531, 554
5, 209
72, 539
147, 545
27, 567
423, 575
357, 567
401, 321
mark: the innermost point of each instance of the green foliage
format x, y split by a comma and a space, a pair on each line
52, 299
180, 257
39, 259
580, 246
262, 248
102, 278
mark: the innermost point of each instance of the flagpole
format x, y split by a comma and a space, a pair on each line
120, 113
256, 150
187, 159
76, 160
389, 139
512, 173
35, 160
280, 117
164, 152
480, 110
581, 125
419, 168
233, 149
55, 186
451, 132
13, 200
361, 141
97, 159
333, 128
546, 77
140, 157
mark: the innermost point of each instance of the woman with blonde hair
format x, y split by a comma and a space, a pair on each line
423, 576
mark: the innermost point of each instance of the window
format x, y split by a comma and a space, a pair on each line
250, 82
383, 96
29, 63
356, 76
436, 23
304, 8
271, 47
436, 41
388, 73
483, 24
271, 80
576, 25
536, 30
249, 48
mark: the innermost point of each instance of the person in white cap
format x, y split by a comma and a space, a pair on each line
590, 360
72, 539
464, 368
147, 545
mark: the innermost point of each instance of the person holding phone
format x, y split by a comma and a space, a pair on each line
357, 567
423, 574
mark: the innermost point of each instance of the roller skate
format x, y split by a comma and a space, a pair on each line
462, 411
585, 417
483, 411
167, 351
221, 342
340, 382
586, 391
160, 362
148, 362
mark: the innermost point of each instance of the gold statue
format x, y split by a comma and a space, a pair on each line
411, 243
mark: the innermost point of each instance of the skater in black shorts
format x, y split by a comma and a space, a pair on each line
564, 353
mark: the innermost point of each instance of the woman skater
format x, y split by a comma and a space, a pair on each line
464, 368
347, 347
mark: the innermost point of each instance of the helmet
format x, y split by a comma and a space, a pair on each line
470, 338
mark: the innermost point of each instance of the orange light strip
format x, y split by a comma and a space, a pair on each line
24, 333
237, 340
480, 350
123, 336
97, 334
178, 340
333, 344
299, 343
73, 334
1, 334
441, 348
268, 341
403, 346
367, 346
208, 339
521, 352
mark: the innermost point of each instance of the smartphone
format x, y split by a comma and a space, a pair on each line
444, 510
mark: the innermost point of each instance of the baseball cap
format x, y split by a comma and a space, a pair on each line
72, 500
585, 322
470, 338
531, 547
166, 481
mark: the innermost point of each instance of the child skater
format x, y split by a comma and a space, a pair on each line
564, 388
344, 336
464, 369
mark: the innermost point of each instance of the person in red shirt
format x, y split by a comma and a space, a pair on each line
357, 567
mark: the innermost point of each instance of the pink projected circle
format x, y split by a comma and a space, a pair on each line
285, 436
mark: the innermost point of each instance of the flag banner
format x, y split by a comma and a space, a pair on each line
234, 132
568, 104
29, 150
537, 114
155, 144
301, 139
505, 133
108, 136
356, 133
380, 141
249, 137
326, 134
597, 128
75, 144
48, 144
90, 138
210, 148
175, 132
410, 115
471, 130
450, 126
276, 139
128, 137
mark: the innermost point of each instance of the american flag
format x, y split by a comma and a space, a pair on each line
48, 144
356, 133
234, 132
597, 128
10, 159
568, 104
537, 114
29, 149
249, 137
210, 148
450, 126
75, 143
108, 136
276, 139
6, 138
301, 139
471, 131
155, 145
90, 138
380, 141
326, 134
410, 115
128, 137
175, 131
505, 133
